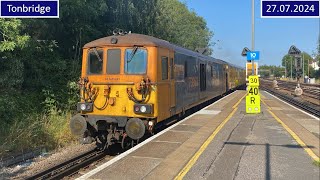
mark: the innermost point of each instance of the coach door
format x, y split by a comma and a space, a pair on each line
172, 83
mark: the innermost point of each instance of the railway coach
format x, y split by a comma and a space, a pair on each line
132, 82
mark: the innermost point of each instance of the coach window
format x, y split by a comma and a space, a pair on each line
172, 68
135, 61
164, 66
113, 61
185, 69
95, 61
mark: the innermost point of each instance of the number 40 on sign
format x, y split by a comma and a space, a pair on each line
253, 97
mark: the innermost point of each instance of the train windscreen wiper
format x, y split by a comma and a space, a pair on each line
133, 52
97, 54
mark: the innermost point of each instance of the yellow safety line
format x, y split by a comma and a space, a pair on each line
293, 134
236, 105
265, 104
204, 146
296, 137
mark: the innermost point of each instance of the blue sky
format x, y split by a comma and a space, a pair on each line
230, 20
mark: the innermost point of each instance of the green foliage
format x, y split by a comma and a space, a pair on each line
275, 71
175, 23
40, 60
36, 130
10, 37
289, 63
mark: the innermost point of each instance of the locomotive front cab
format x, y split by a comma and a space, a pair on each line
118, 94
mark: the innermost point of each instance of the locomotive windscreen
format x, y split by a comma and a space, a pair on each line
95, 61
135, 61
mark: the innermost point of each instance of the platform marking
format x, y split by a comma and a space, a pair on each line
208, 112
103, 166
204, 146
294, 107
294, 135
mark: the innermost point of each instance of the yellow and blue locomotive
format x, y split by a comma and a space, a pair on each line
132, 82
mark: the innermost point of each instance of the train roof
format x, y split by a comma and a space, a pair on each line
232, 65
132, 39
129, 39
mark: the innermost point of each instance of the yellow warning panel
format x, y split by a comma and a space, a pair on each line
254, 80
253, 104
253, 90
249, 69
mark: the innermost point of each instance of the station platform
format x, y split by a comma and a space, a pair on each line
221, 141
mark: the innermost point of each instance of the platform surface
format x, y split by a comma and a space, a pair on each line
221, 141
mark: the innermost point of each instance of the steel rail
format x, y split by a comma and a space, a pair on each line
71, 166
305, 106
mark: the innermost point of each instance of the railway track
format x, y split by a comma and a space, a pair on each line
305, 105
310, 91
71, 166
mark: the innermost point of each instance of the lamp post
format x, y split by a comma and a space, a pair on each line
285, 70
308, 69
252, 35
291, 69
303, 67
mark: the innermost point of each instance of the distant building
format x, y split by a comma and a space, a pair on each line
314, 64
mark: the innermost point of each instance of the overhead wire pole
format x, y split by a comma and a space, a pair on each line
303, 67
291, 67
252, 35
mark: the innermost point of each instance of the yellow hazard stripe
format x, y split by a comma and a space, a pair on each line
296, 137
293, 134
204, 146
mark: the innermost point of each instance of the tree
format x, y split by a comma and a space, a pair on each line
175, 23
11, 37
276, 71
288, 61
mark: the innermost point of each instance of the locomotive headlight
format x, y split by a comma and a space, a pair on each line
143, 109
83, 107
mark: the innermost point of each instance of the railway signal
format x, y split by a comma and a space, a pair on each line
253, 97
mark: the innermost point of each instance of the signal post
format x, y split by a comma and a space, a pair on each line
253, 95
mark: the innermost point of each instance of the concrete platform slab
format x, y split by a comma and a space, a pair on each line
258, 147
186, 128
245, 147
129, 168
156, 149
174, 136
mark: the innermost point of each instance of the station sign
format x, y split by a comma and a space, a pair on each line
253, 91
29, 9
253, 55
254, 80
253, 104
249, 69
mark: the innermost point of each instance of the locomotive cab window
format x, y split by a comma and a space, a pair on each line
95, 61
135, 61
113, 61
164, 66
